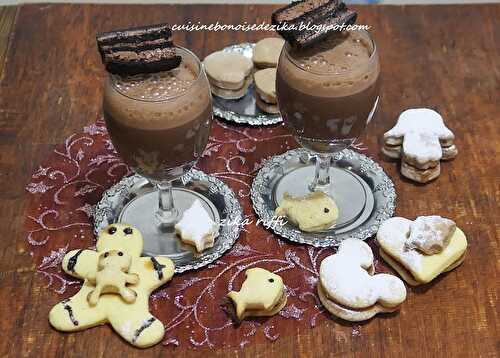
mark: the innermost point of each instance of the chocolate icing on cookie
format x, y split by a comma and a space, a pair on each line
139, 330
138, 50
311, 12
68, 308
158, 268
73, 260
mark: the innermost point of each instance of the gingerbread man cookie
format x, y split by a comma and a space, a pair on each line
109, 280
421, 250
421, 139
112, 277
349, 289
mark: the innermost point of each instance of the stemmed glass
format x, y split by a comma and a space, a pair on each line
159, 124
327, 94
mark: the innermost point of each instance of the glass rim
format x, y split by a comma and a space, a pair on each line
165, 99
370, 61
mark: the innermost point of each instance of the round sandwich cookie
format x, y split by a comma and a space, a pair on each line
265, 84
229, 74
349, 289
422, 249
232, 93
266, 52
266, 107
265, 90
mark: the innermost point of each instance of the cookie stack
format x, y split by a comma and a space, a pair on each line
266, 56
265, 90
421, 139
229, 74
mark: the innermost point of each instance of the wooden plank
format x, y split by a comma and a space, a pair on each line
430, 57
7, 18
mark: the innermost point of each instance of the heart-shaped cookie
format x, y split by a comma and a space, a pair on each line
404, 243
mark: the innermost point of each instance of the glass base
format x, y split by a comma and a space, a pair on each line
352, 195
162, 240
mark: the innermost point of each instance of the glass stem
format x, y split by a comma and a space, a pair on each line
166, 214
322, 173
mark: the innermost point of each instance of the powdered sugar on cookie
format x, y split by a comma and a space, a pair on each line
420, 120
346, 280
197, 228
393, 235
422, 147
430, 234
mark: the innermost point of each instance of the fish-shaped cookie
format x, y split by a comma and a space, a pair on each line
262, 294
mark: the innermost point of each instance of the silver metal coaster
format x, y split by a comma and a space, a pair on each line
370, 200
134, 200
243, 110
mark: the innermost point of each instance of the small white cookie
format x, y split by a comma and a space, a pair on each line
347, 283
267, 51
227, 70
197, 228
314, 212
422, 140
421, 250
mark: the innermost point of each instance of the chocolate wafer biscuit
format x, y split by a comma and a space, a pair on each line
312, 13
138, 50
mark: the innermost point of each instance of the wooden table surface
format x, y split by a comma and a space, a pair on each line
445, 57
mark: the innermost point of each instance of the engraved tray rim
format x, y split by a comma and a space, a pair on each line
384, 193
107, 211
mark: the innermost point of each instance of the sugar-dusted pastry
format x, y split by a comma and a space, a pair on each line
421, 250
262, 294
266, 52
197, 228
128, 280
229, 74
421, 139
314, 212
265, 90
349, 289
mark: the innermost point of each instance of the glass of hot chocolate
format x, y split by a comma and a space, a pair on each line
327, 94
159, 124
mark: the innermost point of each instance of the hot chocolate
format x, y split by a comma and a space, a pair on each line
159, 123
327, 93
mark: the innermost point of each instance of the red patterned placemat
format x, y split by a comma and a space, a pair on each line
65, 188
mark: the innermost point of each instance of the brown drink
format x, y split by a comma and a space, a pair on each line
159, 123
327, 93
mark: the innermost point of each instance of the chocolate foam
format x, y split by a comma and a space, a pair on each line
339, 65
158, 101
